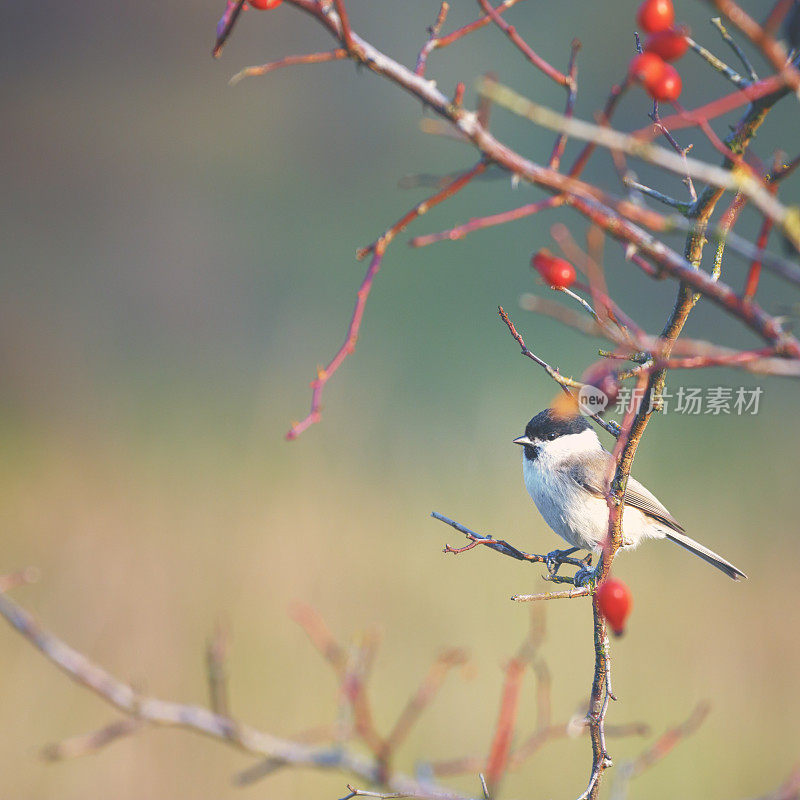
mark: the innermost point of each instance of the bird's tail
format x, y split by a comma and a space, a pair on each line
707, 555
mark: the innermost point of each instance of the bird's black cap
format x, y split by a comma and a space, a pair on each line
550, 424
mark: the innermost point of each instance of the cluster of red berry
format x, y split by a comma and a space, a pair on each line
665, 43
264, 5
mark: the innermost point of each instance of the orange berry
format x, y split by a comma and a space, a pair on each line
264, 5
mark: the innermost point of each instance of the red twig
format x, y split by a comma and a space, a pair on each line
776, 16
347, 32
324, 374
474, 543
424, 695
310, 58
354, 692
352, 671
523, 46
670, 739
722, 148
681, 151
433, 33
506, 721
465, 30
309, 619
754, 273
377, 249
597, 287
478, 223
695, 117
448, 191
572, 93
603, 118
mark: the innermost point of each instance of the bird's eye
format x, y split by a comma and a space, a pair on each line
550, 437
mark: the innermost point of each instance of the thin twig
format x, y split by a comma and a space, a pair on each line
217, 669
581, 591
424, 695
499, 544
479, 223
433, 34
565, 383
521, 45
465, 30
344, 19
289, 61
718, 64
728, 39
554, 162
681, 206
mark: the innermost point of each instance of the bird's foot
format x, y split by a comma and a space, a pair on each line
554, 559
586, 575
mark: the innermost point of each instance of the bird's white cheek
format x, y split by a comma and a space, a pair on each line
530, 475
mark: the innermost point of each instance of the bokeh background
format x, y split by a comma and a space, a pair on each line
178, 258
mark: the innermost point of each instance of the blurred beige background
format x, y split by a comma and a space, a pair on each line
178, 257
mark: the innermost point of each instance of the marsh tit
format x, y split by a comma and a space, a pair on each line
566, 472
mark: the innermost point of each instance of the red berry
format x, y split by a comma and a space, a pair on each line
670, 44
555, 271
646, 67
656, 15
614, 601
667, 87
264, 5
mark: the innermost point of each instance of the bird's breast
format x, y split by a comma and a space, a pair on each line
572, 512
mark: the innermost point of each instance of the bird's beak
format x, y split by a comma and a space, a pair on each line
523, 440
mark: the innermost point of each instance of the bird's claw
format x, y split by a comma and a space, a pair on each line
585, 575
553, 560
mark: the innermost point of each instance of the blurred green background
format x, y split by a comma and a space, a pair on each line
177, 259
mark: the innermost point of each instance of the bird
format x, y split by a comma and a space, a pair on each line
567, 471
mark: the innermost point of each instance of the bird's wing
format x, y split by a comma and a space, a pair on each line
637, 496
587, 475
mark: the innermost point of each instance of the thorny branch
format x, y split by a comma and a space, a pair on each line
631, 225
621, 220
636, 228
